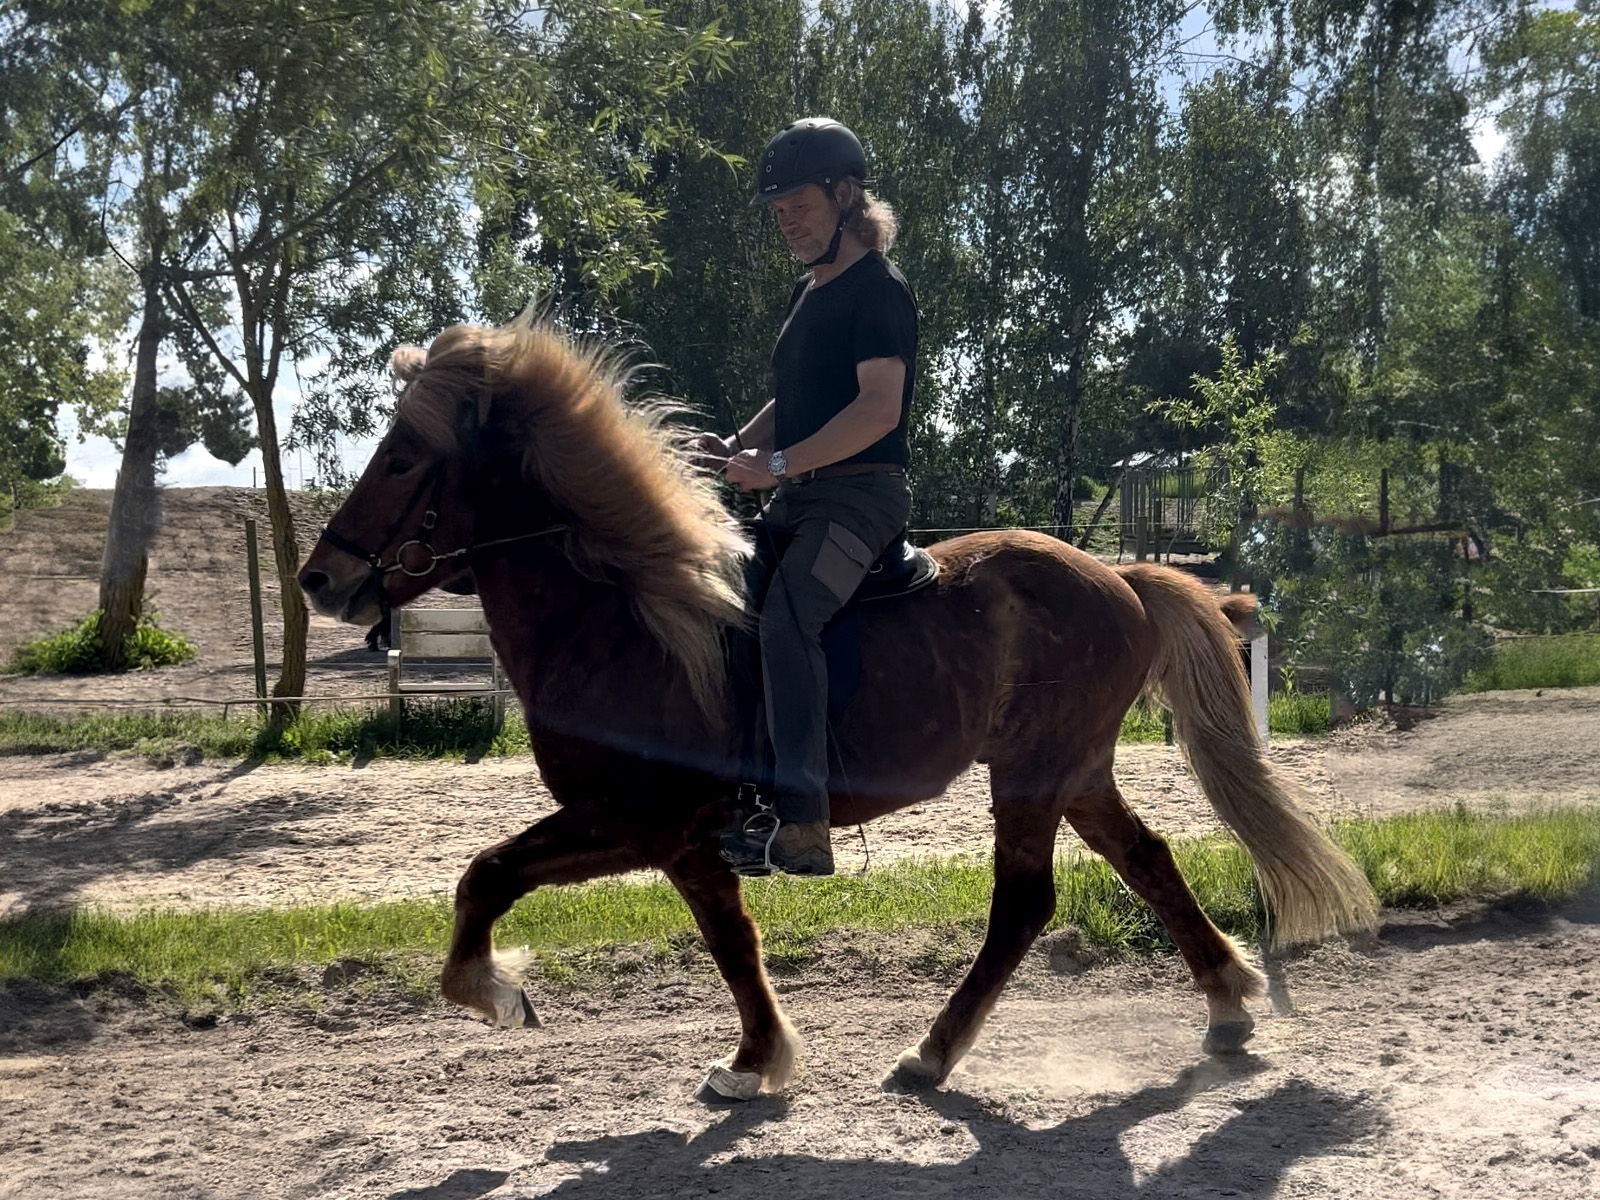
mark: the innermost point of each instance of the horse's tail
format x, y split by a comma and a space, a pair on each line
1311, 887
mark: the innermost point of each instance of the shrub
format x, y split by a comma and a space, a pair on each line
76, 651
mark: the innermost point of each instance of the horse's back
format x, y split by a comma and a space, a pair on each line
1025, 645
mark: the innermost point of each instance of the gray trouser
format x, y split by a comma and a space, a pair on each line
836, 529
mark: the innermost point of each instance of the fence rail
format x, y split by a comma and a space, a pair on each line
226, 703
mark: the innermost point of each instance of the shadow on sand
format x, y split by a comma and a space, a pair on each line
1246, 1155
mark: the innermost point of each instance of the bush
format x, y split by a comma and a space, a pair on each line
76, 651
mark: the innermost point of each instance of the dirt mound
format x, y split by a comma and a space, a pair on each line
198, 581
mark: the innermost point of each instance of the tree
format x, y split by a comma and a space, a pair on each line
46, 334
1085, 131
56, 309
330, 155
113, 147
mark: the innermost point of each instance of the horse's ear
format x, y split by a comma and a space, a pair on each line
406, 363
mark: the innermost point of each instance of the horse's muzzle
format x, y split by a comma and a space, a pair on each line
355, 601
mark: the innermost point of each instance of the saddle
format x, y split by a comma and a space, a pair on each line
900, 570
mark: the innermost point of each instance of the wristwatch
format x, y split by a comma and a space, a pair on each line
778, 465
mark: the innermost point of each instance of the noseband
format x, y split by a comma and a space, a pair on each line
430, 518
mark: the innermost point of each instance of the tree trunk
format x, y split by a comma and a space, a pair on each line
135, 502
1071, 422
1100, 512
286, 555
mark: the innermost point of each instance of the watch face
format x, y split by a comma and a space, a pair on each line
777, 465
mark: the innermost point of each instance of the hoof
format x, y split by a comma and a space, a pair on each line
1228, 1037
722, 1080
515, 1010
913, 1069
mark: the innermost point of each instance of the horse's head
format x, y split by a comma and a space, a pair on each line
410, 522
505, 435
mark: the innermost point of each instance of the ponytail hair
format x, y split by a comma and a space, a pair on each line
872, 219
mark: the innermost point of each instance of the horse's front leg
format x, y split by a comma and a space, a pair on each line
562, 848
767, 1041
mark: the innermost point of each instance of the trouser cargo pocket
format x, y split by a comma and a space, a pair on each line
842, 562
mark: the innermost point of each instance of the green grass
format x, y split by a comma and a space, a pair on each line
228, 956
1289, 714
454, 728
1431, 858
1570, 660
447, 729
1298, 714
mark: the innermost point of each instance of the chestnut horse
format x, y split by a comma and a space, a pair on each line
609, 574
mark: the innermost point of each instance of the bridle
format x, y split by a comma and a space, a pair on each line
430, 518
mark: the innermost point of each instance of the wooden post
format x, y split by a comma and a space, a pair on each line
1258, 682
257, 636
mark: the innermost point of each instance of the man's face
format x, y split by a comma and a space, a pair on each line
807, 219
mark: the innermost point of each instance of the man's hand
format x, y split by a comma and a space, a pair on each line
747, 470
711, 452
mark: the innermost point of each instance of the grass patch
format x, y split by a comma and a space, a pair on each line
1570, 660
458, 728
229, 956
453, 728
76, 651
1431, 858
1298, 714
1289, 714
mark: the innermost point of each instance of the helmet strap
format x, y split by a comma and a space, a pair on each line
832, 252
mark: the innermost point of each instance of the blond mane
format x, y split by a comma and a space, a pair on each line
639, 515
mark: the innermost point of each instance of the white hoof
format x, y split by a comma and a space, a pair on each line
513, 1009
733, 1085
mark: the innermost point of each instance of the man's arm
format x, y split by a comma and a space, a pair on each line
760, 430
873, 414
713, 452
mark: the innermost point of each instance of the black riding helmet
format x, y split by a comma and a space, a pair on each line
813, 150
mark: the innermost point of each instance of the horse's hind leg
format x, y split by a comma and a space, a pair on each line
1110, 828
767, 1042
562, 848
1024, 901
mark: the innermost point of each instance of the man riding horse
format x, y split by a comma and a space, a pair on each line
832, 442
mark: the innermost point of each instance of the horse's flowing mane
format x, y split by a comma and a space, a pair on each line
639, 515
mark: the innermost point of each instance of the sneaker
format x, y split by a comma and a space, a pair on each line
765, 845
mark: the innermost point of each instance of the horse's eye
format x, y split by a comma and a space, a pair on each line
399, 466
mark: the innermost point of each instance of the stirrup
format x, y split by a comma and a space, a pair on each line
763, 825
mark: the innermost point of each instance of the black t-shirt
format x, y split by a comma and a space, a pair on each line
865, 312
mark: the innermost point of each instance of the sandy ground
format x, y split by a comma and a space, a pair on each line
1453, 1057
1456, 1059
119, 832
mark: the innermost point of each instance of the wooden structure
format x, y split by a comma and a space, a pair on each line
447, 633
1163, 507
